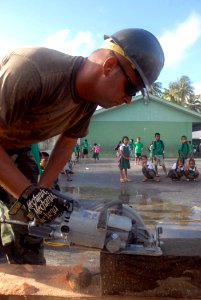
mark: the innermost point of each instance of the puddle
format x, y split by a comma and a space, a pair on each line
151, 209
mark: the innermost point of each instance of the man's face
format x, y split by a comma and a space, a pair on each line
115, 84
157, 137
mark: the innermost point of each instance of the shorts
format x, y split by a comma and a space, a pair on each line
147, 173
138, 155
85, 151
159, 160
171, 174
96, 155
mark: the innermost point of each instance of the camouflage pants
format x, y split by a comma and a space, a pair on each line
19, 246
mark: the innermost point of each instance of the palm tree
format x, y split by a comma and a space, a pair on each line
156, 89
179, 91
186, 90
194, 103
171, 93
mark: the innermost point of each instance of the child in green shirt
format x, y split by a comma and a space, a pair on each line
158, 150
184, 149
138, 150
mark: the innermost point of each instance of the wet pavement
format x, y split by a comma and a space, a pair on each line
163, 201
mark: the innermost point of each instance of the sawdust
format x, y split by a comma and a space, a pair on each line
41, 280
18, 289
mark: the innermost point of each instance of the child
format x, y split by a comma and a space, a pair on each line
191, 171
184, 149
96, 150
68, 170
177, 170
131, 145
138, 150
116, 148
124, 159
150, 152
158, 150
191, 149
148, 170
44, 158
85, 147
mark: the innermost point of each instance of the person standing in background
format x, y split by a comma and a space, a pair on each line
124, 161
85, 149
131, 145
138, 150
96, 151
158, 150
184, 148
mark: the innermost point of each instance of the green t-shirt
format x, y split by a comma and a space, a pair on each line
191, 147
158, 147
85, 145
184, 148
138, 147
131, 145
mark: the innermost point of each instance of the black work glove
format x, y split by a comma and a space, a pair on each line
43, 203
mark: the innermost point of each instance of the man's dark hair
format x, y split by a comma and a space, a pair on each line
157, 133
184, 136
144, 156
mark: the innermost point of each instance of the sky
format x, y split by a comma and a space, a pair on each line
77, 27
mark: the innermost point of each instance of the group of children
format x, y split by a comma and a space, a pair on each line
95, 149
182, 168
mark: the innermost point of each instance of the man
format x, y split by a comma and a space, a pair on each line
44, 93
158, 149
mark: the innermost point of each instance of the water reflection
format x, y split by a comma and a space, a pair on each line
124, 196
151, 208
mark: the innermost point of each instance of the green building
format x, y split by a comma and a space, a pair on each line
142, 119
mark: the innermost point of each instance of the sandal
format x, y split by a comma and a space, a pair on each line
122, 180
144, 180
126, 179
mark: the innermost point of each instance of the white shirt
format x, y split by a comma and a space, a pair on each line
174, 167
149, 165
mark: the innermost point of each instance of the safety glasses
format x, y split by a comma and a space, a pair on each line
130, 87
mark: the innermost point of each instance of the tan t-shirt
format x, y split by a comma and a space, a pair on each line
37, 97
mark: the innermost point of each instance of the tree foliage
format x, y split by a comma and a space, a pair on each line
180, 91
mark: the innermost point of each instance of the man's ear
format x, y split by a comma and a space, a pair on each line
109, 64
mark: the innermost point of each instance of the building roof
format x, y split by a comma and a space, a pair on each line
158, 109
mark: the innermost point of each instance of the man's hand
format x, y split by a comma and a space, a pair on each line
43, 203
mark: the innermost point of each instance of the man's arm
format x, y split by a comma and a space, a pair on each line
60, 155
